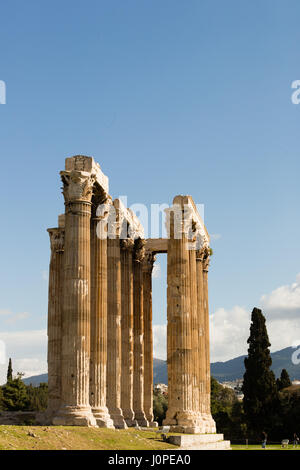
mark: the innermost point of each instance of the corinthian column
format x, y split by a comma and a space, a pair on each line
75, 408
148, 337
138, 374
180, 415
210, 423
55, 319
114, 345
127, 331
195, 330
99, 315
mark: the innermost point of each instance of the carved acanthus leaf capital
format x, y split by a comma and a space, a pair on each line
57, 239
200, 254
139, 249
127, 244
77, 185
148, 261
206, 259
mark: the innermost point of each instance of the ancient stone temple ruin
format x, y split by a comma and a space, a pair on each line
100, 348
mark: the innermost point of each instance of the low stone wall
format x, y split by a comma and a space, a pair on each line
19, 417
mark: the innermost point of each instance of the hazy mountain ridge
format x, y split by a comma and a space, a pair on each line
222, 371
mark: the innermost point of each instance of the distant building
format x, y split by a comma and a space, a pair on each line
236, 386
161, 388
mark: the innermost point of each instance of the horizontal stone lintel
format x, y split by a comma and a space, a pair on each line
157, 245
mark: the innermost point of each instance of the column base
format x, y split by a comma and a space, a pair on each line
74, 416
186, 422
210, 425
102, 417
128, 415
153, 424
118, 418
190, 422
141, 419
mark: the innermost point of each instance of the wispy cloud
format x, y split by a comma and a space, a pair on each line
156, 273
11, 318
28, 350
215, 236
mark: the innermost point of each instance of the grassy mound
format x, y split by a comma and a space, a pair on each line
78, 438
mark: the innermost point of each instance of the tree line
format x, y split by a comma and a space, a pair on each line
15, 395
268, 406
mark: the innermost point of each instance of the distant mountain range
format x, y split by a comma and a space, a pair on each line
222, 371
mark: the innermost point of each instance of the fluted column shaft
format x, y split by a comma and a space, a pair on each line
201, 333
75, 409
55, 319
98, 368
138, 328
148, 336
127, 331
179, 336
211, 426
207, 423
195, 329
114, 333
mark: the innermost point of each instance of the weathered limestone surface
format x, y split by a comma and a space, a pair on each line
75, 408
200, 442
180, 415
195, 328
127, 331
98, 359
148, 337
138, 315
100, 344
210, 423
55, 319
114, 334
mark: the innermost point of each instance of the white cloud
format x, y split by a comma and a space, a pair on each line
156, 273
229, 330
4, 311
160, 341
215, 236
11, 318
28, 350
283, 301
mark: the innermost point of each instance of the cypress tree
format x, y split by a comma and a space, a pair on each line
284, 380
9, 371
14, 395
259, 387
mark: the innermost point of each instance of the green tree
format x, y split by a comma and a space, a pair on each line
160, 406
15, 396
259, 387
227, 411
9, 370
37, 397
284, 381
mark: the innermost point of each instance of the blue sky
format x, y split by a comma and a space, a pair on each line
170, 98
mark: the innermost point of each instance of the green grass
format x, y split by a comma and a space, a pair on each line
259, 447
78, 438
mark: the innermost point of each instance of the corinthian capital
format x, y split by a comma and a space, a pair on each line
57, 239
127, 244
139, 249
148, 261
206, 259
77, 185
200, 254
